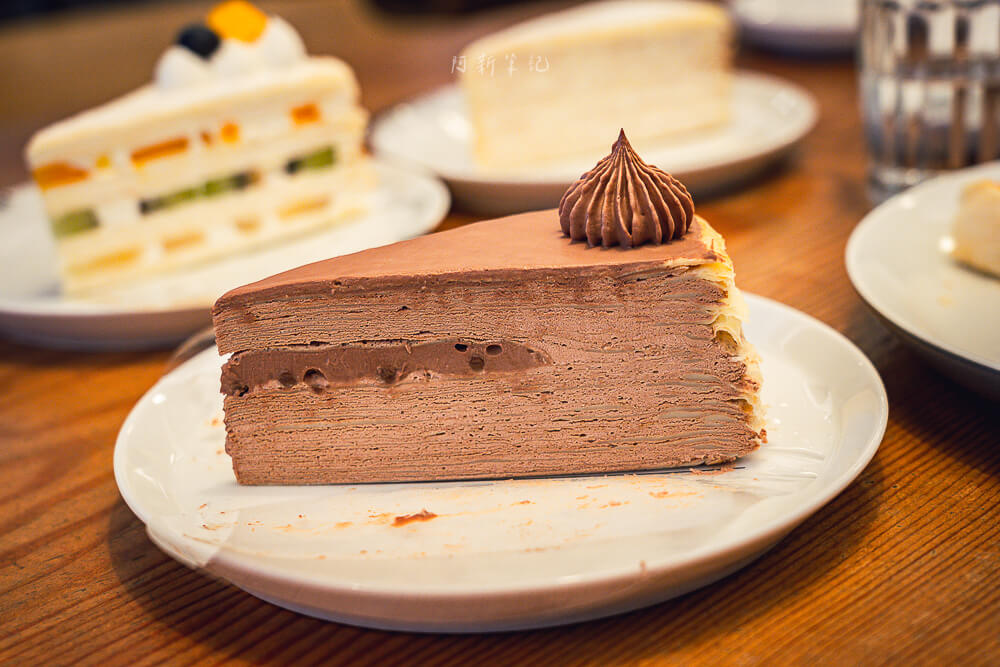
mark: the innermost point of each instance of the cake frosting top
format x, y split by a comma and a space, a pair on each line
624, 201
492, 246
236, 39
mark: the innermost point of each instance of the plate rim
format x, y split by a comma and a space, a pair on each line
837, 30
19, 308
768, 533
852, 262
806, 124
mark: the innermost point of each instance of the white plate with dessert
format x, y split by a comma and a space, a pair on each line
927, 261
511, 554
770, 117
242, 157
535, 105
163, 309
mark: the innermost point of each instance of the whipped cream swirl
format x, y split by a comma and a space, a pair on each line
624, 201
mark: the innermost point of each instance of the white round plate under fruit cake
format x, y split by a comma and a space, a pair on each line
165, 309
510, 554
897, 258
770, 116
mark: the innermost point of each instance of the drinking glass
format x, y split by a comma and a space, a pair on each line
930, 88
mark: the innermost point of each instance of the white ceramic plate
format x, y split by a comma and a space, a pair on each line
898, 261
769, 117
507, 554
802, 26
166, 309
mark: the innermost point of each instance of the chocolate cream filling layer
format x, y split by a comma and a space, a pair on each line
324, 367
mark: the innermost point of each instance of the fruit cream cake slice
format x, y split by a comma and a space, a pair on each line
663, 69
240, 141
507, 348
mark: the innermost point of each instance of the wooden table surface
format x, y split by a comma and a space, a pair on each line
901, 568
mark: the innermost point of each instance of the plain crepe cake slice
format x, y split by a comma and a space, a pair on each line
663, 69
505, 348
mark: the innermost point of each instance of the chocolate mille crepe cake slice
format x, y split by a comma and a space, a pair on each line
601, 337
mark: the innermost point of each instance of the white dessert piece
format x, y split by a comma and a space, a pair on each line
225, 151
558, 86
976, 230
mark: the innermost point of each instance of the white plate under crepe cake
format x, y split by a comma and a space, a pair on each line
570, 348
504, 555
